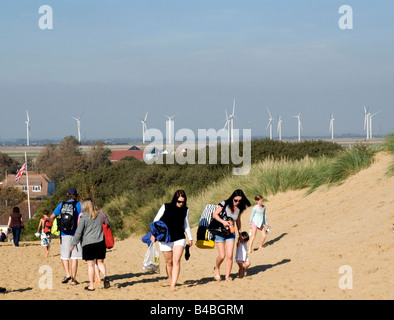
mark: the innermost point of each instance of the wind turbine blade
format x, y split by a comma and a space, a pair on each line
81, 114
269, 113
375, 113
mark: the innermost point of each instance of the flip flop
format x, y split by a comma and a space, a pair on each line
88, 289
66, 279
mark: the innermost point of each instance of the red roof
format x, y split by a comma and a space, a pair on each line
120, 154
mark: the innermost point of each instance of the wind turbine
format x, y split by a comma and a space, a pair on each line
366, 121
170, 128
144, 128
279, 130
27, 129
299, 125
227, 124
332, 126
370, 123
79, 125
231, 118
270, 123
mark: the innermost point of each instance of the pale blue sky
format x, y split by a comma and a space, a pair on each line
117, 60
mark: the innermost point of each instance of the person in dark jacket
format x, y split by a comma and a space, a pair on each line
15, 222
176, 217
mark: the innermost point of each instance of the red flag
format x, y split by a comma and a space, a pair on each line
21, 172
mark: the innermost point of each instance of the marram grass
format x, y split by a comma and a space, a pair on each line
267, 177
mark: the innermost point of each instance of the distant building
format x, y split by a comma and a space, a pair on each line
39, 184
117, 155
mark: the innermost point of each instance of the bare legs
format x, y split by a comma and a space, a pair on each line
225, 250
91, 271
253, 236
74, 268
173, 264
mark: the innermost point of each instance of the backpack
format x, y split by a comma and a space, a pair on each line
55, 230
47, 226
67, 217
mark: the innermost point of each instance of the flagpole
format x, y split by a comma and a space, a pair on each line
28, 191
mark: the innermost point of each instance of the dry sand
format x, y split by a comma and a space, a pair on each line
311, 238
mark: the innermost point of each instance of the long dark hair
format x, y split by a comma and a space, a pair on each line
243, 203
177, 194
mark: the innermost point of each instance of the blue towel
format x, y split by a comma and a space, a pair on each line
159, 230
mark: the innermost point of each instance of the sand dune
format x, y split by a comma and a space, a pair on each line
311, 238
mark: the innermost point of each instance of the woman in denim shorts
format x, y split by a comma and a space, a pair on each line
234, 207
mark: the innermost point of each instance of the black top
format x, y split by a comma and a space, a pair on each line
174, 218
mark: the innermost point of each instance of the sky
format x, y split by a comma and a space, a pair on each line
114, 61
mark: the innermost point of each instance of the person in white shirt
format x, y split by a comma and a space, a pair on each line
241, 255
176, 217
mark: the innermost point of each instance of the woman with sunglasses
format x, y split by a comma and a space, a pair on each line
233, 206
176, 217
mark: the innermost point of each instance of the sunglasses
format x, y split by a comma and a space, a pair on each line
236, 201
180, 201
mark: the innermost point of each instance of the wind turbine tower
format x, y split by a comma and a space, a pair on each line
27, 129
370, 123
170, 129
231, 118
299, 125
269, 123
227, 124
79, 126
366, 121
332, 126
279, 130
144, 128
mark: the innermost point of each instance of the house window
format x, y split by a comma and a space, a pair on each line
36, 188
24, 188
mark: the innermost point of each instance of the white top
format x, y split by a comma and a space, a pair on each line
233, 215
241, 254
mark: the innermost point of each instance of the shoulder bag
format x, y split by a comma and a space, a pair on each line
108, 236
216, 227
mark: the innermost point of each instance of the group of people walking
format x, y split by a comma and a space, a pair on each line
82, 237
176, 217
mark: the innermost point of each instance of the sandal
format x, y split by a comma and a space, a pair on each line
66, 279
74, 283
88, 289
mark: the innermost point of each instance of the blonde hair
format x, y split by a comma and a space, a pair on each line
89, 207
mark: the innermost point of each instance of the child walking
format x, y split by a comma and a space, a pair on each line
258, 219
241, 255
45, 226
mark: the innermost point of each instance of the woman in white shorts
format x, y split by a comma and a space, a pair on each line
176, 217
